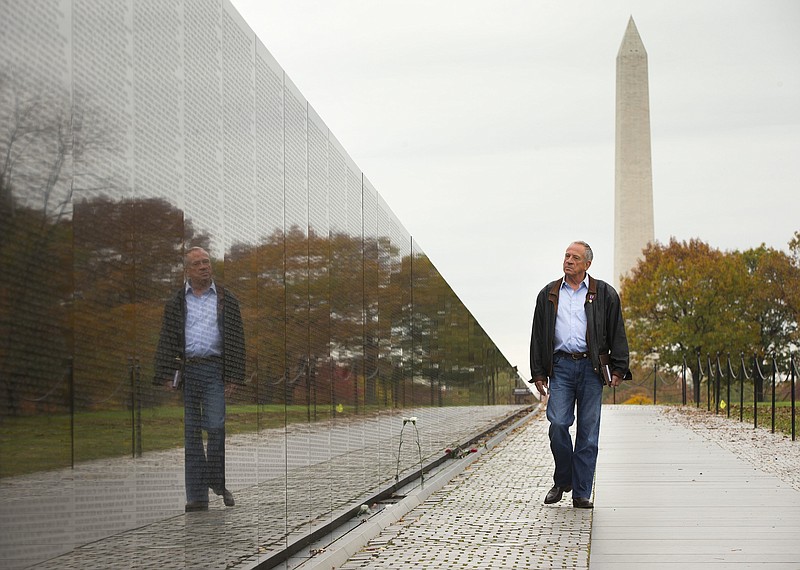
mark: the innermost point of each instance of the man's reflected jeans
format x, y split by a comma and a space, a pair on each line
204, 410
574, 383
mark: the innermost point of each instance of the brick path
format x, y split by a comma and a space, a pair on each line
490, 516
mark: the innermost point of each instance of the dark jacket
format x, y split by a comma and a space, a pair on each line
605, 329
172, 343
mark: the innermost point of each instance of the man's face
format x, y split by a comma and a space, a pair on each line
575, 263
198, 266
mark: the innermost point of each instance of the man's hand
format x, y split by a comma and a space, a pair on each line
168, 384
541, 387
615, 380
230, 388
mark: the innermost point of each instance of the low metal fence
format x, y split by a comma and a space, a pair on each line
749, 387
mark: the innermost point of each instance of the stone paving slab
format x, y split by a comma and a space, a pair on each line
668, 494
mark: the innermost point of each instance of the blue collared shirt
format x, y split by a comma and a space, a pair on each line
571, 318
202, 333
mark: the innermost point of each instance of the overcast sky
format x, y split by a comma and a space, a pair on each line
488, 127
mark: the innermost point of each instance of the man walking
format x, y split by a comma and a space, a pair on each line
577, 331
201, 348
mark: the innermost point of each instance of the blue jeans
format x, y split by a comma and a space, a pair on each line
204, 409
574, 382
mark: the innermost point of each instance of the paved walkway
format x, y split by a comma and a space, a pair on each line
669, 497
676, 489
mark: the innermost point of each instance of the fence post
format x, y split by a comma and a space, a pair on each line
655, 382
697, 381
683, 382
717, 387
71, 392
728, 374
708, 383
759, 385
742, 373
138, 378
133, 407
792, 372
774, 373
756, 377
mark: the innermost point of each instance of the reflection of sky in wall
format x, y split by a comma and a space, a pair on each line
161, 125
35, 94
482, 123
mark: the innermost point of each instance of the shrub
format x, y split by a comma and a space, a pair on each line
639, 400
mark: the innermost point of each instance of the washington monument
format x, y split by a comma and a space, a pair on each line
633, 188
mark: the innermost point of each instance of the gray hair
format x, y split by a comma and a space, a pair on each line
589, 254
190, 250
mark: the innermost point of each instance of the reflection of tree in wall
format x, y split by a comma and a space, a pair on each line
347, 318
123, 271
324, 296
327, 294
130, 262
256, 276
77, 256
388, 342
40, 140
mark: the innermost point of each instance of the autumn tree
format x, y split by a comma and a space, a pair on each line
687, 298
794, 259
774, 283
39, 143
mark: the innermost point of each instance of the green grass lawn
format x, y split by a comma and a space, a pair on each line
43, 442
783, 415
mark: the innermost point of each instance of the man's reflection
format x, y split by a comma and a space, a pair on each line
201, 349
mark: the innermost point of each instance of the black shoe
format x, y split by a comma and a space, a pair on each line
194, 506
554, 495
582, 503
227, 497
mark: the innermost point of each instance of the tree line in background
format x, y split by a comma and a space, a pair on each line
686, 297
327, 318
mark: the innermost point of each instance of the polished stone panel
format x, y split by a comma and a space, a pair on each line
132, 130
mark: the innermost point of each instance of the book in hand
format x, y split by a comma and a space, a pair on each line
605, 368
177, 379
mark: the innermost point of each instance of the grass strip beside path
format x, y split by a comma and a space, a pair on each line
43, 442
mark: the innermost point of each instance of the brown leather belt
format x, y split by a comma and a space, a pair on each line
572, 355
204, 360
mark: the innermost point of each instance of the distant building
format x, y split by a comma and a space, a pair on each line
633, 188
